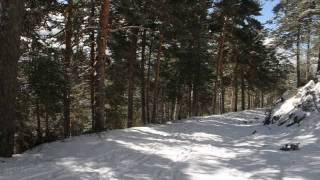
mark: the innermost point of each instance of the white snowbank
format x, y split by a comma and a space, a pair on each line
301, 107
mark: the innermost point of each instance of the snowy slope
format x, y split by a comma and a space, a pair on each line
304, 105
205, 148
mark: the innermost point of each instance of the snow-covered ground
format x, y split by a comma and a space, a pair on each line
221, 147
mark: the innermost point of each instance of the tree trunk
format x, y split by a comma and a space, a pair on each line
46, 118
262, 99
67, 61
235, 81
92, 59
298, 58
131, 75
318, 68
249, 99
156, 81
222, 98
219, 73
235, 93
243, 98
195, 101
148, 84
100, 67
308, 53
190, 94
11, 13
39, 133
143, 88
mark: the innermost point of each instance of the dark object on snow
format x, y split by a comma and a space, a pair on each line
256, 118
2, 161
281, 123
254, 132
247, 122
267, 119
290, 147
297, 120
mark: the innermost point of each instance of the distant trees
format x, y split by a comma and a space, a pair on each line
297, 22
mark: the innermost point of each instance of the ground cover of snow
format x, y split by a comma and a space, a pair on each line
234, 146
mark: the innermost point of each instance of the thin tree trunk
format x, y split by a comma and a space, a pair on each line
190, 94
235, 82
148, 84
67, 61
131, 75
92, 59
195, 101
143, 88
243, 101
46, 118
298, 58
308, 53
249, 99
179, 108
222, 98
11, 13
39, 133
175, 109
235, 93
100, 67
318, 68
172, 111
262, 99
156, 81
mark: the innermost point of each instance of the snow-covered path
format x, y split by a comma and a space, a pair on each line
206, 148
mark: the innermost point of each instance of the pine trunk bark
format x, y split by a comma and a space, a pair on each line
67, 61
190, 94
11, 13
249, 99
298, 57
308, 53
143, 86
39, 133
46, 118
131, 75
222, 99
195, 101
92, 59
219, 64
148, 84
235, 92
156, 81
100, 67
235, 81
262, 99
243, 98
318, 68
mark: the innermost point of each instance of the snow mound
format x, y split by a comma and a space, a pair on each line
304, 105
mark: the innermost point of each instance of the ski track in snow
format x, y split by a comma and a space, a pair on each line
220, 147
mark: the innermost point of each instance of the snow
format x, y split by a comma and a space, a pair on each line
221, 147
303, 105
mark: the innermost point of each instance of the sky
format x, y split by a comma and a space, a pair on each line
267, 13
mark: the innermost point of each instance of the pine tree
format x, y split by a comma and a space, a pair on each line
11, 16
100, 61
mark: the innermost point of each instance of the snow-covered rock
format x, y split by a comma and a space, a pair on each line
302, 106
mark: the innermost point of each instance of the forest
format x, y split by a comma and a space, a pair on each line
74, 67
